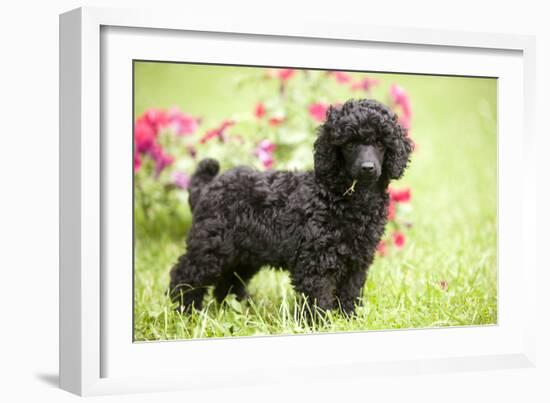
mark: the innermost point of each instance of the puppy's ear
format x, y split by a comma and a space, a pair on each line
332, 117
397, 155
333, 113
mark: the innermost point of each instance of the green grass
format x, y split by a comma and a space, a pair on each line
445, 276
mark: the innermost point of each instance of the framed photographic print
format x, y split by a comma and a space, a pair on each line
252, 202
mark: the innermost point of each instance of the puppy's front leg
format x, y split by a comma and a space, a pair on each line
319, 289
349, 290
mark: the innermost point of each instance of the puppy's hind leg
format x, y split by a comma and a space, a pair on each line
235, 282
189, 281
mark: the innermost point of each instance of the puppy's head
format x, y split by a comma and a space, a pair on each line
363, 160
362, 142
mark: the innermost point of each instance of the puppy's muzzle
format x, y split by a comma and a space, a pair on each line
368, 169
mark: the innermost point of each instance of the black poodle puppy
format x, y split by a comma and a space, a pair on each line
321, 225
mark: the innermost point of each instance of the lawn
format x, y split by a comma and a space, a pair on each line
445, 275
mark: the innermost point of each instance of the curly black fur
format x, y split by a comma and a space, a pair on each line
300, 221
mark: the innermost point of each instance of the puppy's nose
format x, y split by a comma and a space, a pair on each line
367, 167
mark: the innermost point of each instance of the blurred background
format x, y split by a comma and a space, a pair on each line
436, 264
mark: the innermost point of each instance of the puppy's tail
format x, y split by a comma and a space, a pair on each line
207, 169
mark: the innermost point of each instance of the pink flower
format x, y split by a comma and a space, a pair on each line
318, 111
149, 124
156, 118
264, 152
340, 76
181, 180
266, 159
401, 99
259, 111
217, 132
401, 196
365, 84
398, 239
399, 95
285, 74
182, 123
137, 162
146, 131
267, 146
162, 160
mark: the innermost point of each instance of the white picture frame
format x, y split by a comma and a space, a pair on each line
97, 357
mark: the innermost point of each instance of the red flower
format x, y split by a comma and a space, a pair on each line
398, 239
365, 84
144, 135
391, 211
217, 132
340, 76
275, 121
149, 124
259, 112
285, 74
209, 135
401, 196
381, 248
318, 111
154, 120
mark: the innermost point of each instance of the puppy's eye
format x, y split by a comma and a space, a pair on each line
349, 146
380, 145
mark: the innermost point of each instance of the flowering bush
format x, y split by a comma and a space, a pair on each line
399, 206
276, 133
